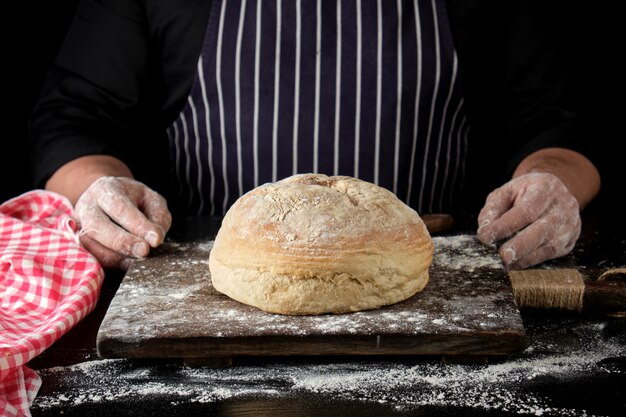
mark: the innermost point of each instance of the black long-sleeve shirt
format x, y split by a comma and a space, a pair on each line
126, 67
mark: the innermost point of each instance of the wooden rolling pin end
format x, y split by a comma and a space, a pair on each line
607, 296
437, 223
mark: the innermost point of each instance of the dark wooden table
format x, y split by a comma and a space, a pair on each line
575, 364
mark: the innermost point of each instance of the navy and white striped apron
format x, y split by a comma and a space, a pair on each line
366, 88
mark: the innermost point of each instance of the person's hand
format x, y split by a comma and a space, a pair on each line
120, 219
539, 216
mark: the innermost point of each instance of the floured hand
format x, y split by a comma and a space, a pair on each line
537, 214
121, 219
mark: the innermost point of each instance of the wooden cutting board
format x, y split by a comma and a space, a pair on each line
166, 307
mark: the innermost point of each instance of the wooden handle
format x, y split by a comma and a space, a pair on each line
607, 294
566, 289
437, 223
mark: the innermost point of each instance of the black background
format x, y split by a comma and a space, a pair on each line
39, 26
34, 30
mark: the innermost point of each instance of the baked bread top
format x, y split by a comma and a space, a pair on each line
311, 244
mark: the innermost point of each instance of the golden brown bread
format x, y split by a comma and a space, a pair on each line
313, 244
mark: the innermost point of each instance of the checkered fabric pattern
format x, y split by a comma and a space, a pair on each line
48, 283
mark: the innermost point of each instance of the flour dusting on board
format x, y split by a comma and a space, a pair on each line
464, 253
506, 386
162, 297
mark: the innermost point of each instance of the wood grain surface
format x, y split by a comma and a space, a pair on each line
166, 307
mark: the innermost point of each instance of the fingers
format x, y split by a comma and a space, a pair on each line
122, 201
154, 207
541, 241
97, 225
542, 216
498, 202
542, 253
502, 216
120, 219
514, 206
525, 242
545, 239
509, 223
107, 257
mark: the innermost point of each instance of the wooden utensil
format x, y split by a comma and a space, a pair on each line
437, 222
589, 290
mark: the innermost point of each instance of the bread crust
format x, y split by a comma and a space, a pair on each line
313, 244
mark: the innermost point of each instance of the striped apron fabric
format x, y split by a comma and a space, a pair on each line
365, 88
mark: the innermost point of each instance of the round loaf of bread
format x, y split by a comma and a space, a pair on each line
313, 244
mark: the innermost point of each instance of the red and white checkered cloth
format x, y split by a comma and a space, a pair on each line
48, 283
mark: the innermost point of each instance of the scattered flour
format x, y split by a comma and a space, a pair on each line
206, 246
464, 252
508, 386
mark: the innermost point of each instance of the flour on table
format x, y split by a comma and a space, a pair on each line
506, 386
